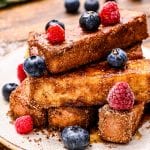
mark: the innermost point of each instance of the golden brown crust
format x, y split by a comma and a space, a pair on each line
119, 126
57, 118
82, 48
90, 85
19, 106
134, 52
69, 116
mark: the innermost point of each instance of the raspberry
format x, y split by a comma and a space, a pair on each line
55, 34
110, 14
121, 97
21, 73
24, 124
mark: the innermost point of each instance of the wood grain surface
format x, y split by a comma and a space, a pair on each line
16, 22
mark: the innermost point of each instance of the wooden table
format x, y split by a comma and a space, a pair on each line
17, 22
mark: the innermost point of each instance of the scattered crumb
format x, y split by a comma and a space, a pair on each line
9, 113
47, 137
37, 133
37, 140
36, 130
110, 145
59, 140
11, 122
137, 135
94, 136
148, 127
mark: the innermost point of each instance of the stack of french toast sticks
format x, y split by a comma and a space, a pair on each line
75, 89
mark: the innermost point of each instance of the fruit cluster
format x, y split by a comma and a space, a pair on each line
109, 15
72, 6
89, 20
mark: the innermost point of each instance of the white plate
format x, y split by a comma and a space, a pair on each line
11, 139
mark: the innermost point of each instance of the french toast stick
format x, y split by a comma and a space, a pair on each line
56, 118
133, 51
89, 86
62, 117
119, 126
19, 106
82, 47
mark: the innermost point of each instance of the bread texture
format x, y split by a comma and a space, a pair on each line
56, 118
89, 86
119, 126
82, 47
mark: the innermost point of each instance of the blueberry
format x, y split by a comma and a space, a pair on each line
35, 66
117, 58
7, 89
72, 6
75, 138
54, 22
89, 21
91, 5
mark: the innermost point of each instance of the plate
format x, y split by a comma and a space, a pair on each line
38, 140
